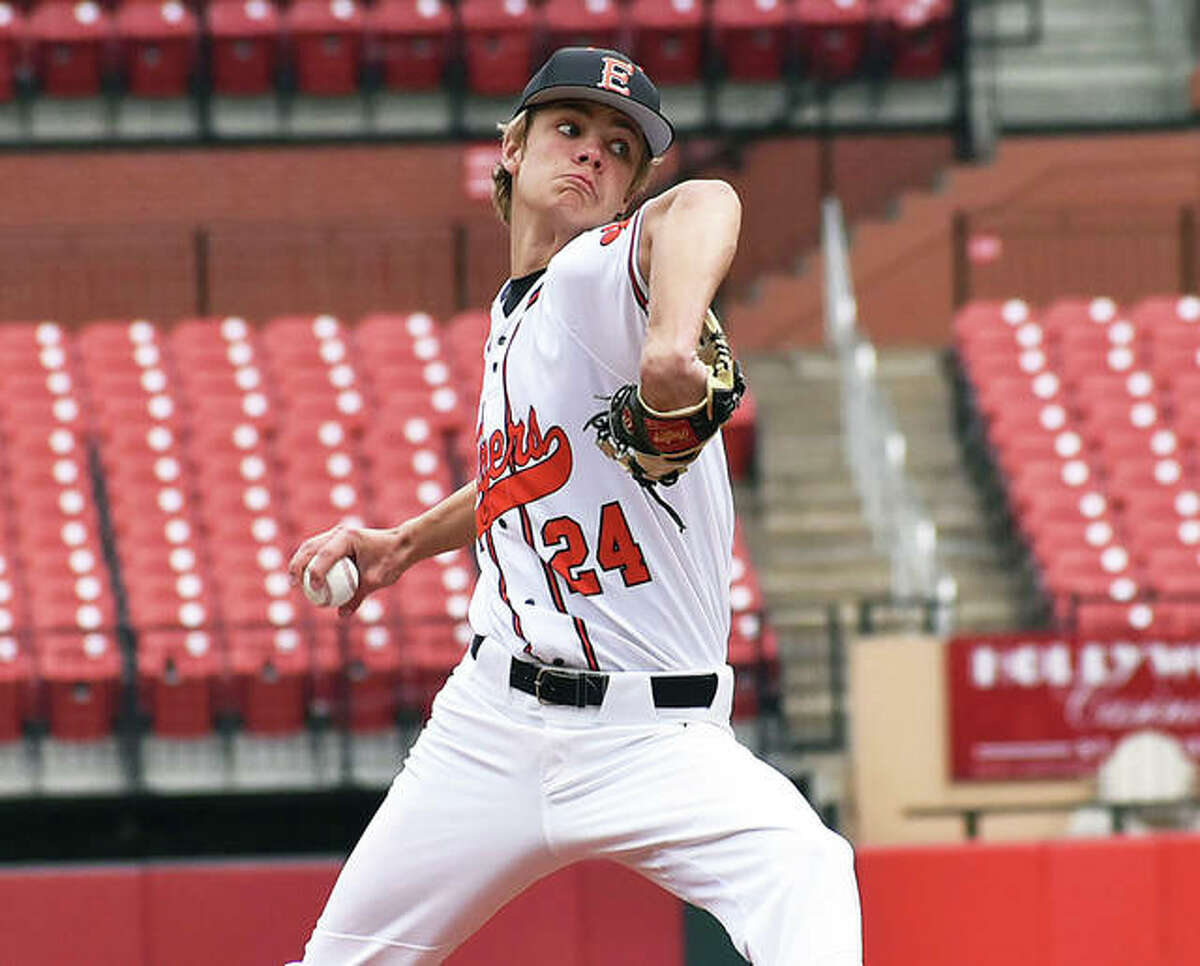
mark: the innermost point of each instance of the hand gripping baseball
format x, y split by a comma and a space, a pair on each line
656, 447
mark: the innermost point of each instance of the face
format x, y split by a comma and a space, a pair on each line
577, 163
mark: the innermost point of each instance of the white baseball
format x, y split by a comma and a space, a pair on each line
340, 584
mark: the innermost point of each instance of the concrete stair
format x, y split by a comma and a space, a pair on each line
815, 555
990, 593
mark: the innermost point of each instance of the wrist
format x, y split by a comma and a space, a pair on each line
404, 544
669, 385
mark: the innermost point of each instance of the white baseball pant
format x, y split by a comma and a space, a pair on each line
500, 790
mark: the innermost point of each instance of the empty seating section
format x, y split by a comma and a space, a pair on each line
157, 480
59, 613
1091, 413
154, 48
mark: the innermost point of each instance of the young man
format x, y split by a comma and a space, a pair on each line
590, 717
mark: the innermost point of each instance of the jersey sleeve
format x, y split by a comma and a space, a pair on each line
596, 291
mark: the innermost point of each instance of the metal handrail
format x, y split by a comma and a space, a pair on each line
875, 448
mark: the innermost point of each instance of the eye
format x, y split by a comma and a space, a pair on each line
569, 128
620, 147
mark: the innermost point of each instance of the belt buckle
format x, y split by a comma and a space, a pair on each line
553, 674
537, 684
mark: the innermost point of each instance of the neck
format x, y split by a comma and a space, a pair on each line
532, 242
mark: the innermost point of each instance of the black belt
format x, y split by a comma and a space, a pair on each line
583, 689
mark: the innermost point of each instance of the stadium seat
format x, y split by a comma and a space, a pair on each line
69, 46
178, 674
751, 37
498, 44
1160, 313
918, 35
16, 686
165, 601
82, 673
12, 28
245, 45
327, 45
668, 39
159, 46
271, 667
989, 314
833, 36
413, 39
1112, 619
584, 23
357, 673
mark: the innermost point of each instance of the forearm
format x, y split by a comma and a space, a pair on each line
693, 243
446, 526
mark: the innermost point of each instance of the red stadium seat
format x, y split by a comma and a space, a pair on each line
169, 601
1138, 474
1070, 312
833, 34
413, 39
69, 40
1139, 384
16, 686
327, 44
497, 37
1037, 478
1052, 538
1004, 397
82, 673
271, 669
1163, 313
178, 672
752, 38
584, 23
159, 43
919, 35
1135, 444
988, 315
668, 39
371, 660
12, 27
245, 45
1111, 619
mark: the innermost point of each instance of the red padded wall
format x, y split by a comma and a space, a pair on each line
1103, 902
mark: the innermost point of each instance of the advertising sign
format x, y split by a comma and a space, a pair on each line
1043, 706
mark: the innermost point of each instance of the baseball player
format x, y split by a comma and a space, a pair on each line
590, 716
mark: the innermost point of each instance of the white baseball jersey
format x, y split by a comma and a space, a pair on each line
579, 565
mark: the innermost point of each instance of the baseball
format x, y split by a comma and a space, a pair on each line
340, 584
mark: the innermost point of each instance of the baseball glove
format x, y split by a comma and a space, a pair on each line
657, 447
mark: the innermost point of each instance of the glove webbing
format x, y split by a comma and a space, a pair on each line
604, 439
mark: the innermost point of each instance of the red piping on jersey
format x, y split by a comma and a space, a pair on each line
547, 570
643, 300
503, 586
509, 497
589, 652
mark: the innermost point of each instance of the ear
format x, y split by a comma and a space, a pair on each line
511, 154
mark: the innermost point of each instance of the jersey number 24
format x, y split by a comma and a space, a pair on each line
615, 550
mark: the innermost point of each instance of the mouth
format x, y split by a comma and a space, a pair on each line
583, 183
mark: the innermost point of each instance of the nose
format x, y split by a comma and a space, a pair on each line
590, 153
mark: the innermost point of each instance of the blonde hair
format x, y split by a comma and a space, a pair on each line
502, 180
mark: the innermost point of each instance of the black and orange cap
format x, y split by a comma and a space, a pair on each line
607, 77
